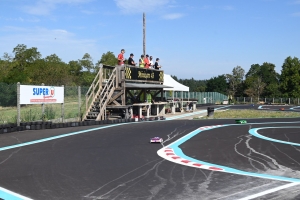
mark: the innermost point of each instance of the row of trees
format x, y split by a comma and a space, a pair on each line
27, 66
259, 81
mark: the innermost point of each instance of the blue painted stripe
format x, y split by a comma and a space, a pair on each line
294, 107
256, 134
178, 151
56, 137
8, 195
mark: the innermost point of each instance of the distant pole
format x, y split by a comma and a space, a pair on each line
144, 34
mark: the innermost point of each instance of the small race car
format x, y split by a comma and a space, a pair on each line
156, 140
241, 121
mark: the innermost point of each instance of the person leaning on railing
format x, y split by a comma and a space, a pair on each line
130, 60
146, 61
142, 62
156, 66
121, 57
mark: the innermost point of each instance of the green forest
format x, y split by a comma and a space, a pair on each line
26, 65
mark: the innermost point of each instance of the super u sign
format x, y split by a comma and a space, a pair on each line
30, 94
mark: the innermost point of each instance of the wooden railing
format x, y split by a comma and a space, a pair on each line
106, 94
93, 91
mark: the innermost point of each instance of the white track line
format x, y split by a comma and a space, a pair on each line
270, 191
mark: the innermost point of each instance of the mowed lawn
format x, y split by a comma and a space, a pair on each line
234, 114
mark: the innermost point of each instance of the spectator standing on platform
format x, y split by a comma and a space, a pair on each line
191, 105
149, 100
142, 62
130, 60
121, 57
149, 97
151, 62
156, 66
146, 60
187, 106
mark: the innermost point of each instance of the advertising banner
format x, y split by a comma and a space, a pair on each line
134, 73
31, 94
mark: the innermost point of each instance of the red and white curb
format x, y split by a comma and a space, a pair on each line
203, 128
169, 154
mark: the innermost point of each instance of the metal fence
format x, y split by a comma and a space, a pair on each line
249, 100
73, 109
202, 97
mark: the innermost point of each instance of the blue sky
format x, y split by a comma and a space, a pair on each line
193, 38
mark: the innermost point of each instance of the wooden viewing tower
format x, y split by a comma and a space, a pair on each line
116, 91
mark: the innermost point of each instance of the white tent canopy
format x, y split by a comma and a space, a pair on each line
169, 81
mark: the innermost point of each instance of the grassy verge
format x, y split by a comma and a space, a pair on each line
244, 114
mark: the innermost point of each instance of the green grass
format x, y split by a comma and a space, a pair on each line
34, 112
247, 114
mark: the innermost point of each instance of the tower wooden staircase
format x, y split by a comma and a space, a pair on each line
100, 93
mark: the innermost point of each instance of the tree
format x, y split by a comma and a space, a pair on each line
290, 77
217, 84
235, 79
22, 60
255, 86
50, 71
175, 78
75, 71
108, 59
271, 78
25, 56
6, 66
87, 62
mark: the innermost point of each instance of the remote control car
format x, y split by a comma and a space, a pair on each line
156, 140
241, 121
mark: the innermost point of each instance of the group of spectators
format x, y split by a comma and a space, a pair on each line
144, 62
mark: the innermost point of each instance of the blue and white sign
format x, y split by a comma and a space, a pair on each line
31, 94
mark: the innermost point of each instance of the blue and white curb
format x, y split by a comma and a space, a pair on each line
173, 153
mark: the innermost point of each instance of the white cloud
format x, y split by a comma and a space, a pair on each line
45, 7
136, 6
48, 41
173, 16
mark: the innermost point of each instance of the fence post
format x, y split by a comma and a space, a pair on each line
79, 103
43, 108
63, 109
18, 105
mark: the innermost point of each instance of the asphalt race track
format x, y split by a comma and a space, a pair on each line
199, 159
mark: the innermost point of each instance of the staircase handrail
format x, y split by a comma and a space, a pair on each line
107, 92
91, 91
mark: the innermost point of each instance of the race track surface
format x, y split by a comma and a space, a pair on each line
199, 159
